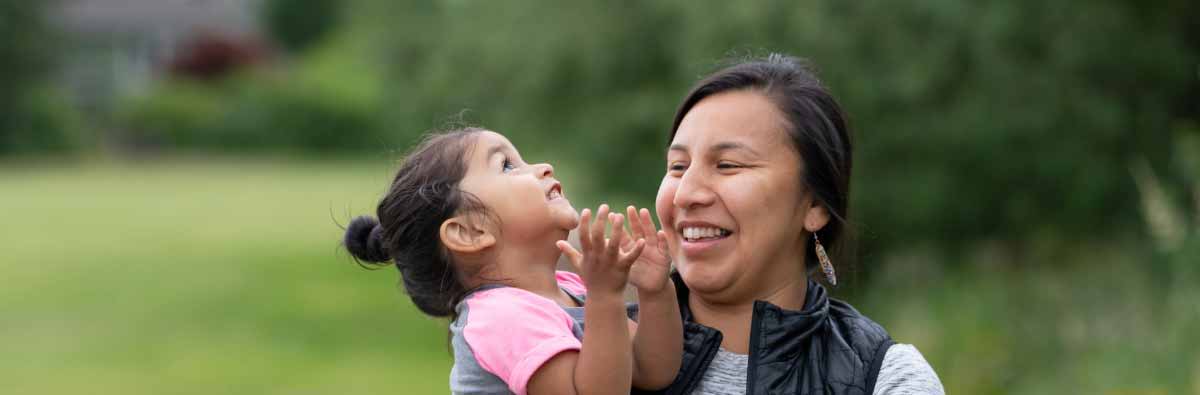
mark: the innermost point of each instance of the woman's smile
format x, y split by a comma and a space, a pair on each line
699, 238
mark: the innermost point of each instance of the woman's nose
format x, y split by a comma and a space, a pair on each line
693, 190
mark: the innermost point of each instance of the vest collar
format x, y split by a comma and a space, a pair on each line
775, 320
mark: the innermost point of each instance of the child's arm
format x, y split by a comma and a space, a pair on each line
599, 367
604, 365
658, 342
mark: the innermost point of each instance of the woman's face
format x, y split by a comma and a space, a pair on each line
731, 202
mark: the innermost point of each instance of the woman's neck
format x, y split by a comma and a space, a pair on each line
733, 318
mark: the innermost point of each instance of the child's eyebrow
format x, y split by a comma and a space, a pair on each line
495, 149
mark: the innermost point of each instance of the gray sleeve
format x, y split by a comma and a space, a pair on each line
905, 372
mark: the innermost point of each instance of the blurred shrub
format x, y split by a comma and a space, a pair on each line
32, 118
176, 114
211, 56
329, 103
303, 117
24, 55
41, 122
298, 25
1171, 210
257, 117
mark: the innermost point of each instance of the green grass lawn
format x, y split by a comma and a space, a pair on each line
226, 277
203, 278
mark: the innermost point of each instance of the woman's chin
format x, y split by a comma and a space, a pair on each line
705, 277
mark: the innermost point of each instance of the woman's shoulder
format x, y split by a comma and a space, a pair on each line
902, 369
848, 317
905, 371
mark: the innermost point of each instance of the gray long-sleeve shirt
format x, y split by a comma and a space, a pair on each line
903, 372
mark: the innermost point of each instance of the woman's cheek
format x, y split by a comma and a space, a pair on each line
664, 205
664, 202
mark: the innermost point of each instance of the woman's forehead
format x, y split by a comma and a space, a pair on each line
741, 120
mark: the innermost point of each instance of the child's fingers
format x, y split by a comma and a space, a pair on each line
627, 258
585, 234
597, 230
573, 255
652, 237
618, 236
635, 226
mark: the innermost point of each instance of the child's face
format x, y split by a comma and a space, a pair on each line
526, 198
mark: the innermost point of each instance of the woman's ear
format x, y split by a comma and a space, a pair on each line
815, 217
460, 234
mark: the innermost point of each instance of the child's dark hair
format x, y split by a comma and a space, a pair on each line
424, 194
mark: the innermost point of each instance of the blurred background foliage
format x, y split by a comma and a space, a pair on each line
1026, 191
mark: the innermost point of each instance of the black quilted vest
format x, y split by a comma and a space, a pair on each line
825, 348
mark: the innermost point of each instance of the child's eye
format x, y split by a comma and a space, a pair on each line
507, 166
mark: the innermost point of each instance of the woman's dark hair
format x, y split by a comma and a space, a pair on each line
424, 194
816, 125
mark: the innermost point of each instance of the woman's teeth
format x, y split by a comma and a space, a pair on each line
697, 233
554, 194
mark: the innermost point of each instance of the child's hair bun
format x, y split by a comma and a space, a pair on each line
364, 240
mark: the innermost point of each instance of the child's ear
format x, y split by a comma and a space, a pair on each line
461, 235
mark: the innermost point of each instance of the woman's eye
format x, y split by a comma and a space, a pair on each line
507, 166
727, 165
676, 167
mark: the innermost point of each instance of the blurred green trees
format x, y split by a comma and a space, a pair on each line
1002, 120
298, 25
997, 121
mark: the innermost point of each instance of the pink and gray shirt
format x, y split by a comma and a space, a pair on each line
503, 335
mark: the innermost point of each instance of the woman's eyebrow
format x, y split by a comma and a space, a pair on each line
732, 146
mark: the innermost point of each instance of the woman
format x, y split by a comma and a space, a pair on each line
756, 188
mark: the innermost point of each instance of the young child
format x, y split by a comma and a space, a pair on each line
476, 234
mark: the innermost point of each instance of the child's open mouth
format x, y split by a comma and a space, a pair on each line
555, 192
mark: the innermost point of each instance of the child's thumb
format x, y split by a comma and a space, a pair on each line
573, 255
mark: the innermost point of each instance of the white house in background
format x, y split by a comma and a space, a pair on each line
119, 46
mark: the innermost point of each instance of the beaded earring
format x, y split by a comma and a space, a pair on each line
826, 265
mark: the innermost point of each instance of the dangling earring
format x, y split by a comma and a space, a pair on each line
826, 265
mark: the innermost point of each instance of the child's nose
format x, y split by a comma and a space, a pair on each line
544, 170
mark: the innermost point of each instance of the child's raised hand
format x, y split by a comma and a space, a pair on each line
651, 271
604, 263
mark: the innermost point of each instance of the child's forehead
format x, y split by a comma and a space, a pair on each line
491, 138
490, 142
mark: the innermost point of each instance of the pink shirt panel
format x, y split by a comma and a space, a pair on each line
513, 332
